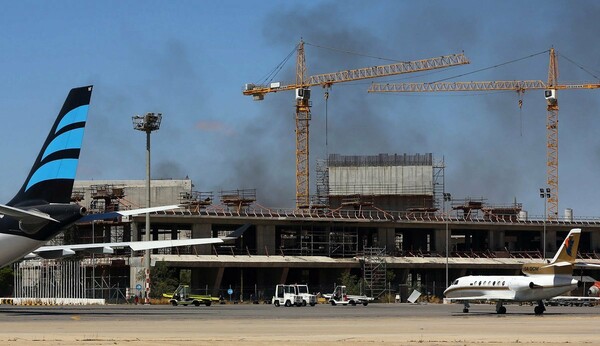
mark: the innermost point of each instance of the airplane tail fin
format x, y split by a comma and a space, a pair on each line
53, 173
564, 260
568, 250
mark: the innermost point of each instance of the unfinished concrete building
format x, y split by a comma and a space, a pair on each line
401, 182
403, 231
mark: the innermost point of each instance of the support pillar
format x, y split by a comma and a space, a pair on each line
439, 239
284, 275
217, 282
386, 238
595, 241
202, 231
265, 240
550, 242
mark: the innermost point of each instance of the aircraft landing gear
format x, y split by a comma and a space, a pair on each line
540, 308
500, 309
466, 308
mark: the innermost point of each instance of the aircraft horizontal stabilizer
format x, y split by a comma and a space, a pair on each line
582, 265
25, 215
237, 233
132, 212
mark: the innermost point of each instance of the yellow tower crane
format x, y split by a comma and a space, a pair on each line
326, 80
550, 94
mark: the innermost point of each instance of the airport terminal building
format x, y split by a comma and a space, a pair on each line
382, 218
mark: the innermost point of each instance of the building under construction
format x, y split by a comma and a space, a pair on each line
382, 218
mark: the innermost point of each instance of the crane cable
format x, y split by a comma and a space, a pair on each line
273, 73
326, 96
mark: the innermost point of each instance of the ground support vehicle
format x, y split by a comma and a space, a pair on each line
307, 298
286, 295
183, 296
340, 296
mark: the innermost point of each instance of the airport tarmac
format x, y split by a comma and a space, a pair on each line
243, 324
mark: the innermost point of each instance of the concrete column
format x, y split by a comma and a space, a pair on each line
595, 240
491, 240
501, 240
265, 240
217, 282
386, 238
284, 275
439, 240
550, 242
202, 231
403, 288
135, 231
496, 240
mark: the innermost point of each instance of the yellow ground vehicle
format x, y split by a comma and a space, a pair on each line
183, 296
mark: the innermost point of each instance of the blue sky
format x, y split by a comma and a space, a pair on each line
190, 59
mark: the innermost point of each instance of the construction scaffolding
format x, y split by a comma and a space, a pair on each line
238, 199
106, 198
375, 271
49, 279
70, 282
319, 241
195, 200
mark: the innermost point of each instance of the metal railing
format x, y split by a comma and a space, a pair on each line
379, 216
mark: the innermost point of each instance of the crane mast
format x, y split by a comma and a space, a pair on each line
552, 137
302, 120
550, 87
302, 90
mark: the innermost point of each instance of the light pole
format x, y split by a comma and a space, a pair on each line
447, 197
147, 123
545, 194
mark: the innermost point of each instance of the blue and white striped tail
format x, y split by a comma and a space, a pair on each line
53, 173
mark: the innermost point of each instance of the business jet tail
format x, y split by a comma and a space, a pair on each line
568, 250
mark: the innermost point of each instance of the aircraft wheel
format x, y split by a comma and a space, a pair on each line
277, 303
465, 310
288, 303
501, 310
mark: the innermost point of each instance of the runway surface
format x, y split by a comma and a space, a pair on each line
390, 324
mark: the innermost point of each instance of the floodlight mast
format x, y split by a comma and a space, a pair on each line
147, 123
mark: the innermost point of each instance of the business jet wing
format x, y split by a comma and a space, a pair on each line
583, 265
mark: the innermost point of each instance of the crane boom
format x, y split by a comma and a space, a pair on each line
516, 85
519, 86
328, 79
303, 115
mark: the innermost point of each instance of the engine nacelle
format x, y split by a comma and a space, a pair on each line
594, 291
